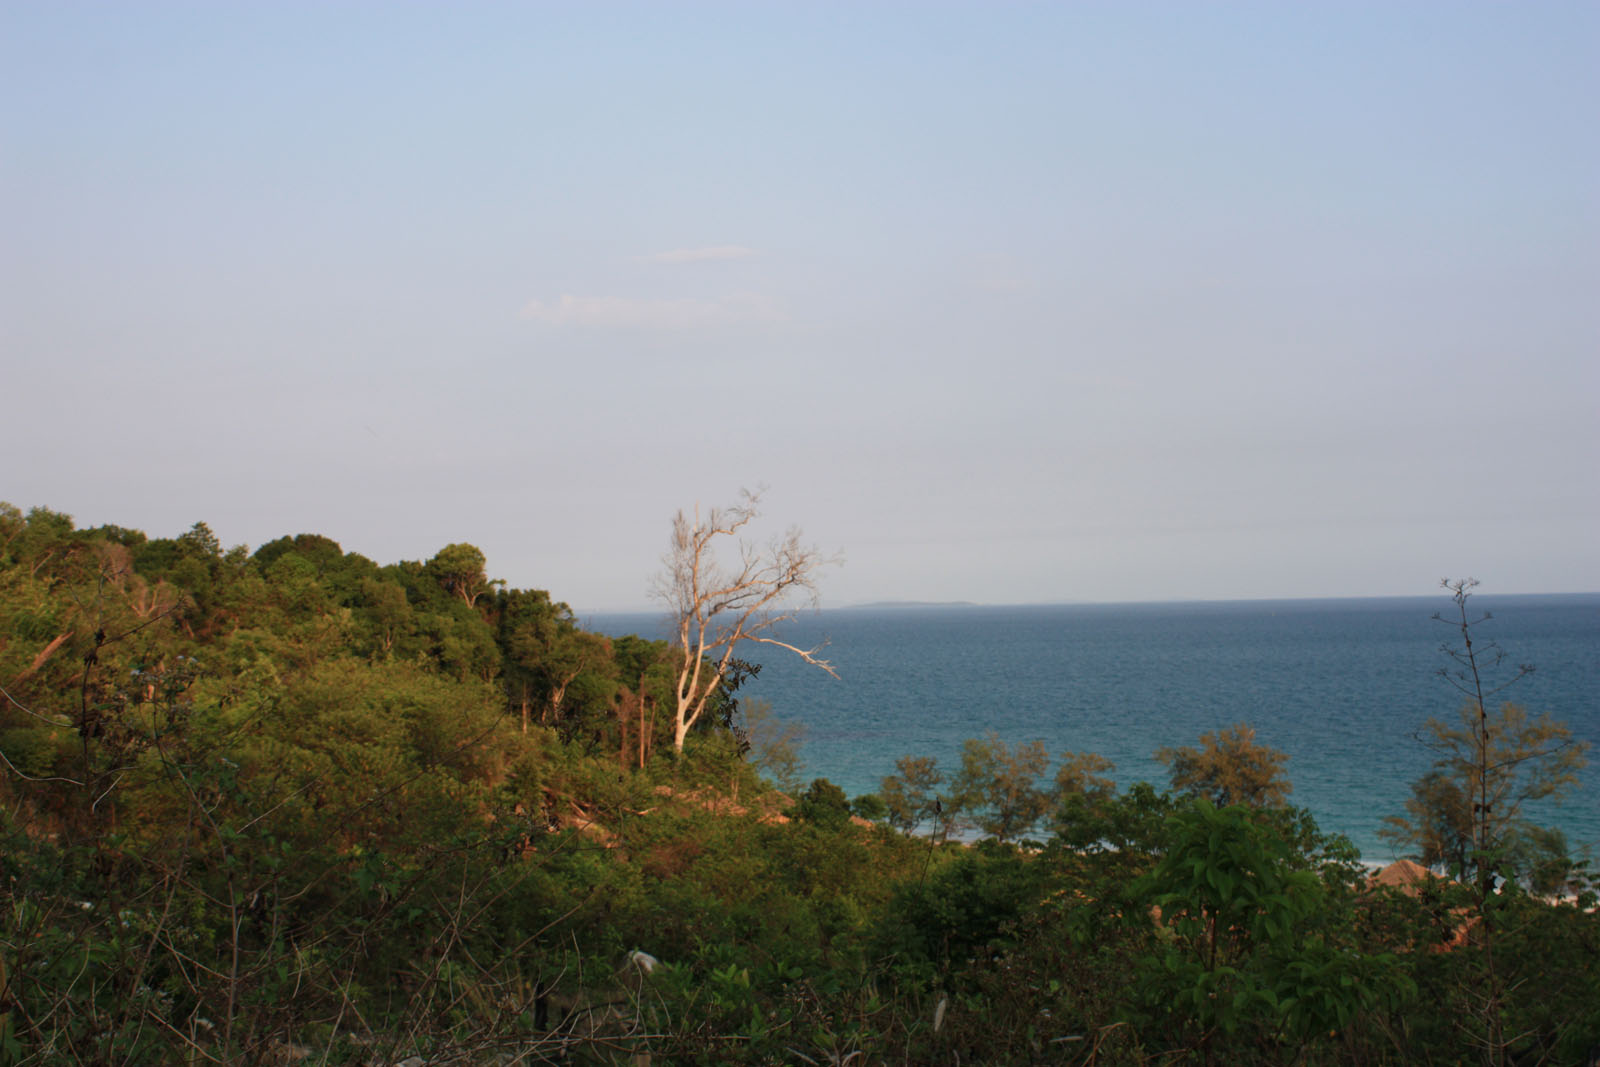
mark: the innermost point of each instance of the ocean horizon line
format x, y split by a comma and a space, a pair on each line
952, 605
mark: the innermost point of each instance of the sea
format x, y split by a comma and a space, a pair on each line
1342, 686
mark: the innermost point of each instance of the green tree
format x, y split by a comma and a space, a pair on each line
1084, 773
824, 805
1119, 829
383, 606
644, 673
963, 912
199, 542
911, 793
1437, 826
1467, 814
323, 553
1229, 767
549, 659
38, 539
772, 744
869, 806
459, 570
999, 786
1241, 962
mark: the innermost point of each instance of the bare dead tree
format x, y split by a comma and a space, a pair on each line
716, 608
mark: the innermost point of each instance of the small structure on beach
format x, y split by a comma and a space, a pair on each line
1404, 875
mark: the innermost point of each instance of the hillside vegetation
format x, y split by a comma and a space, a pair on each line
291, 805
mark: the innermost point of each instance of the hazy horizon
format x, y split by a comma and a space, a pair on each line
1479, 600
1016, 304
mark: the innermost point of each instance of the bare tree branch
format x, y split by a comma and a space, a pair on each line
715, 609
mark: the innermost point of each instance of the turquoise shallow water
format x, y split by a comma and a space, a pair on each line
1340, 685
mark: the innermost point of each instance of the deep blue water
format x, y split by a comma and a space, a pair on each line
1341, 686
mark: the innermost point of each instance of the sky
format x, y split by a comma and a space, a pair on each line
1008, 303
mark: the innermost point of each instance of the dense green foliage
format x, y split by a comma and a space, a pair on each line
291, 803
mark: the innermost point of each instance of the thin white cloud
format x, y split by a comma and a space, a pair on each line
686, 313
699, 255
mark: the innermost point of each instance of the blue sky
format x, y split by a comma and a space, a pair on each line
1008, 303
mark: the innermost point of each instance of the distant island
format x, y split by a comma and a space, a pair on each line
895, 605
